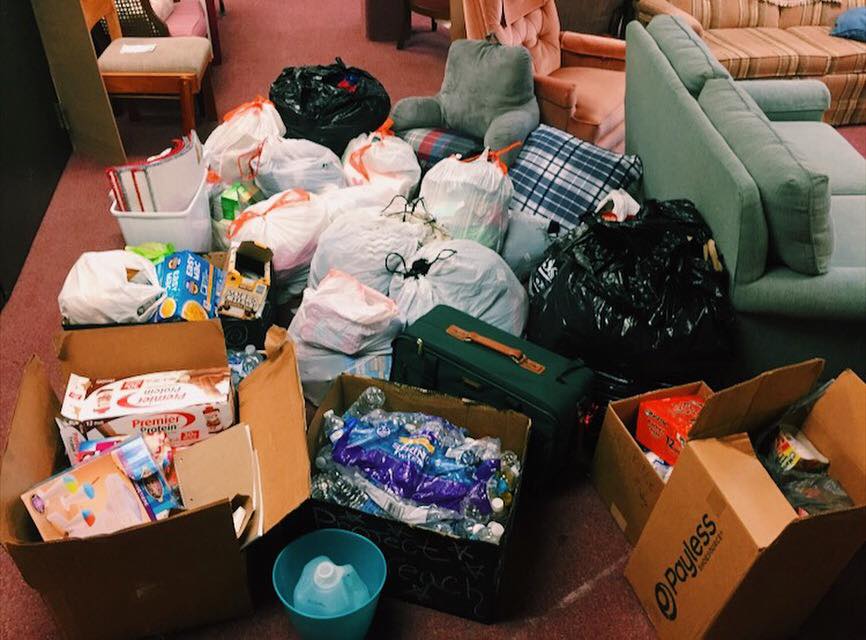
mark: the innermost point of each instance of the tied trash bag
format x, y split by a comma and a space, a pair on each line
470, 198
110, 287
462, 274
289, 223
286, 163
358, 243
382, 159
526, 241
329, 104
231, 148
647, 296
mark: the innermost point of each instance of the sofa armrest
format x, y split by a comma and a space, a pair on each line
648, 9
559, 92
839, 294
411, 113
595, 46
510, 127
789, 99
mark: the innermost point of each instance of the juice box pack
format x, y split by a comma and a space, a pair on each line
192, 285
187, 405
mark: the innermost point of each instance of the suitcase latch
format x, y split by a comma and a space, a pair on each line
420, 344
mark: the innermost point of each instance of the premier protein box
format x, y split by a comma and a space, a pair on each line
187, 405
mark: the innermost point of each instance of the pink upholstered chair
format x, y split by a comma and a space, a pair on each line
579, 78
150, 18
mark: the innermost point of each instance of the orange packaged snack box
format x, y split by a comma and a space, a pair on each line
663, 425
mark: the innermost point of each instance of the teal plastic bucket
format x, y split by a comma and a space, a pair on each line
342, 547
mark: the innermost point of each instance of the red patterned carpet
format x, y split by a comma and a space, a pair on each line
571, 582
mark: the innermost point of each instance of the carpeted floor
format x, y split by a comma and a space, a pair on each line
572, 584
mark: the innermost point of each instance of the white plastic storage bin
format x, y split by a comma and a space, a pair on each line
189, 229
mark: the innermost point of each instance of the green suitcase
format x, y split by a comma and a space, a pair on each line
449, 351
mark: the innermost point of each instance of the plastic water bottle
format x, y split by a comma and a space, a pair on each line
333, 426
242, 363
372, 398
328, 589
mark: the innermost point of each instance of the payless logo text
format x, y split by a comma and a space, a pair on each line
697, 551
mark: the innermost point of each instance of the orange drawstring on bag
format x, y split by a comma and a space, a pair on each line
496, 156
356, 158
290, 197
250, 156
256, 103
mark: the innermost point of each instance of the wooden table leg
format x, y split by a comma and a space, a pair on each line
213, 28
187, 106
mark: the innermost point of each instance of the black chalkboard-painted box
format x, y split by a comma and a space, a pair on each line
458, 576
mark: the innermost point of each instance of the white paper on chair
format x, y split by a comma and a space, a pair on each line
137, 48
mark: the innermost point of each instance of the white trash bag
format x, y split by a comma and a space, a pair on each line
294, 163
319, 368
381, 158
289, 224
110, 287
359, 243
526, 241
231, 148
461, 274
470, 198
345, 316
338, 202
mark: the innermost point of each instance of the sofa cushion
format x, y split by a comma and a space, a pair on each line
170, 55
829, 153
692, 61
849, 228
433, 145
594, 118
766, 53
851, 24
846, 56
714, 14
562, 178
795, 197
187, 19
813, 13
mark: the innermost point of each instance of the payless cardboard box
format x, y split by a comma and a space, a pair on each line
723, 553
463, 577
188, 569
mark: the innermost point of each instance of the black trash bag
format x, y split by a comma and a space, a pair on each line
640, 297
329, 104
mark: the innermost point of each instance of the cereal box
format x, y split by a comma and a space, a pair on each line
187, 405
192, 286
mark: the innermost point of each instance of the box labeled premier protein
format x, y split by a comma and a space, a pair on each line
188, 405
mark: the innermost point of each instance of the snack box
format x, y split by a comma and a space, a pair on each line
247, 280
192, 286
188, 405
107, 493
663, 425
238, 197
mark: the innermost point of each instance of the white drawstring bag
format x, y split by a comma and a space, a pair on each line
338, 202
319, 368
461, 274
289, 224
359, 243
297, 164
381, 158
110, 287
231, 148
526, 241
470, 198
345, 316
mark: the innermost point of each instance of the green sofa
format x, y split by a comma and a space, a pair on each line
784, 194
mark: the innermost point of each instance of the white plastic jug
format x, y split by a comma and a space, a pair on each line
327, 589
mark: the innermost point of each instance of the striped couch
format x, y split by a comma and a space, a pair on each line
765, 39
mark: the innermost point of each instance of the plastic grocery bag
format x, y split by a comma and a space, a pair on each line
526, 241
320, 367
289, 223
344, 315
462, 274
231, 148
109, 287
470, 198
358, 244
329, 104
646, 296
290, 163
381, 158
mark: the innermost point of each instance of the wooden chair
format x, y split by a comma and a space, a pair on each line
175, 67
433, 9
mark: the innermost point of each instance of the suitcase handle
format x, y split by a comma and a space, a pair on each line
516, 355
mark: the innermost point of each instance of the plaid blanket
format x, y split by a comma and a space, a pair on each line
562, 178
433, 145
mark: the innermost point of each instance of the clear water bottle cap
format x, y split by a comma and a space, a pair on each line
250, 349
496, 529
497, 504
327, 575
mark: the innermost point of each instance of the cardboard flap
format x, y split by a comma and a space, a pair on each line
31, 451
106, 353
754, 403
272, 404
837, 427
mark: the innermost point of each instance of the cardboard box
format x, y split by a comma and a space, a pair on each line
188, 569
723, 553
623, 477
247, 281
455, 575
